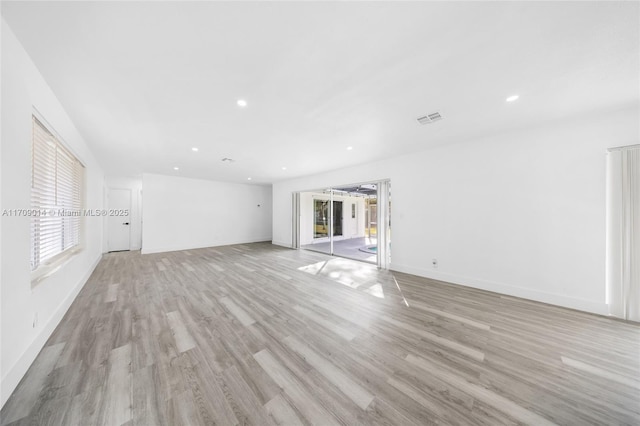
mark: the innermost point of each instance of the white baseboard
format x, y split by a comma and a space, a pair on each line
282, 244
525, 293
11, 380
150, 250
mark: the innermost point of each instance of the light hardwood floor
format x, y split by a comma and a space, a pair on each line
256, 334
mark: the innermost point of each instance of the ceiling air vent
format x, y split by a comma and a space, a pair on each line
429, 118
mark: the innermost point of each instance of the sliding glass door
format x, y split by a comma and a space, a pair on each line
345, 221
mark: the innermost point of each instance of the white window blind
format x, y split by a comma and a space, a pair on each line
56, 197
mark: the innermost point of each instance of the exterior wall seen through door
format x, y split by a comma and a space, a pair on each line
352, 227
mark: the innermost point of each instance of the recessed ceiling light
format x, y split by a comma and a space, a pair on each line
284, 168
242, 103
194, 149
512, 98
349, 148
248, 178
176, 168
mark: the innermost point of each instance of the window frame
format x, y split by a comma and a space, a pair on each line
50, 266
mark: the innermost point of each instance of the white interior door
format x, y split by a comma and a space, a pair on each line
119, 219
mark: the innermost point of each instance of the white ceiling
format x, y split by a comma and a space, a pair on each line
146, 82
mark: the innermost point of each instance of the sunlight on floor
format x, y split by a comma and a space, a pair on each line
353, 274
400, 290
314, 268
376, 290
344, 271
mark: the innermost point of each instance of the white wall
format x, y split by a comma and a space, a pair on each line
521, 213
135, 186
180, 213
348, 223
23, 89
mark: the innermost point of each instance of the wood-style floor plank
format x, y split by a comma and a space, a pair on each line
240, 314
116, 409
360, 396
257, 334
282, 412
302, 397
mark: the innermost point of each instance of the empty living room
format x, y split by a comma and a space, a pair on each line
319, 213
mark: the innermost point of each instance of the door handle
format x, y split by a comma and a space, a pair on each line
125, 223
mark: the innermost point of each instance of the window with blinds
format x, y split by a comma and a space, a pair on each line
56, 197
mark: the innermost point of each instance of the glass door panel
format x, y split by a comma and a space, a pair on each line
321, 219
337, 218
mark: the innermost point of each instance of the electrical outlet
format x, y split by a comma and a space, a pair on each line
434, 262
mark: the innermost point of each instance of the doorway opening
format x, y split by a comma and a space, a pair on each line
346, 221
